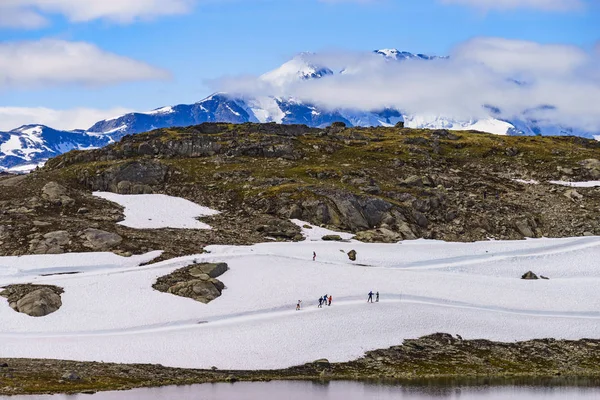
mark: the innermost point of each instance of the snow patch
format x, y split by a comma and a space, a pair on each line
163, 110
577, 184
315, 233
527, 182
157, 211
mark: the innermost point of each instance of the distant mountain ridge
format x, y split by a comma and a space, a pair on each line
25, 147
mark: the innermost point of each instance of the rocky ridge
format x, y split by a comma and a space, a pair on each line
383, 184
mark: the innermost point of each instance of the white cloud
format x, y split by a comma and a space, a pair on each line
12, 17
482, 71
545, 5
51, 62
77, 118
33, 13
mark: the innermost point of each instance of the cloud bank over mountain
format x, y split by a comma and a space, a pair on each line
553, 84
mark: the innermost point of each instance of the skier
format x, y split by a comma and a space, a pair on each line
377, 297
370, 299
320, 302
314, 256
330, 298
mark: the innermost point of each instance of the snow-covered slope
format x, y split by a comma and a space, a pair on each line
24, 148
111, 313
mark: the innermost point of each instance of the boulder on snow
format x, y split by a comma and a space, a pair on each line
529, 275
195, 282
352, 255
33, 300
332, 238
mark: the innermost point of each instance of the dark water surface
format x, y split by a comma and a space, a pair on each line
427, 390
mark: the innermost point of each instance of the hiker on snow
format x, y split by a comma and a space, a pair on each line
314, 256
298, 305
320, 302
377, 297
330, 298
370, 299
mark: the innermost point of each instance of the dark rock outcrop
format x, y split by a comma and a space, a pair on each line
195, 282
529, 275
352, 255
33, 300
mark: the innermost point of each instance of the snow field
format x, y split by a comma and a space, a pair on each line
110, 312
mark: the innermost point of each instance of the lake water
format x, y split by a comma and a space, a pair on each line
349, 391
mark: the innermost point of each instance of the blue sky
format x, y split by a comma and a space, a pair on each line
196, 41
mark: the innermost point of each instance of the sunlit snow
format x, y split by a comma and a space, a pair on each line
156, 211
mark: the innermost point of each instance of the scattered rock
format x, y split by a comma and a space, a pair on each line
352, 255
279, 228
334, 238
524, 228
101, 240
529, 275
71, 376
592, 167
544, 277
381, 235
56, 194
573, 195
322, 363
50, 243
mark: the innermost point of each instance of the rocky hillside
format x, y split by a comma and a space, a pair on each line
383, 184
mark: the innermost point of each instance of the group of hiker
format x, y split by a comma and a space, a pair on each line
370, 298
327, 299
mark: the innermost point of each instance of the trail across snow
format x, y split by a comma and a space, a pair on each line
111, 313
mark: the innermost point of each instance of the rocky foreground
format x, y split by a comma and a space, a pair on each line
382, 184
434, 356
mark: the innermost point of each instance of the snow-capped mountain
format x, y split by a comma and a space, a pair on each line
28, 146
298, 67
25, 148
396, 55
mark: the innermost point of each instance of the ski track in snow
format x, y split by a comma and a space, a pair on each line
110, 312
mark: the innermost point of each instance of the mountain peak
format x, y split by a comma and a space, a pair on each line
298, 68
394, 54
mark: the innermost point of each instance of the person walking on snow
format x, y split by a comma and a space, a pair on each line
314, 256
330, 298
320, 302
377, 297
370, 299
298, 305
